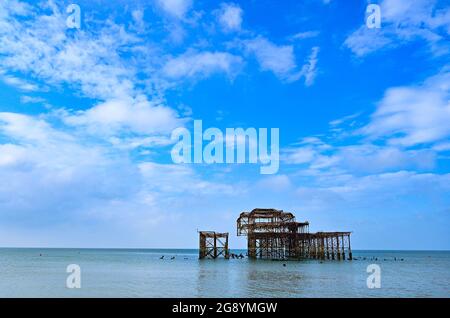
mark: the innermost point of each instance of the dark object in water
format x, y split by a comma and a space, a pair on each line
162, 257
284, 265
172, 257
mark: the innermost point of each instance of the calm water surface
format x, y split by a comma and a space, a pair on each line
141, 273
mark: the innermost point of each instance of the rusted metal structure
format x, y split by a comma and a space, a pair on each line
330, 245
275, 234
213, 245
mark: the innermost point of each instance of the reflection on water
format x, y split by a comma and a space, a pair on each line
213, 274
141, 273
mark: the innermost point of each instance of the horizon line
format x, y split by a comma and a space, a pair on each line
189, 248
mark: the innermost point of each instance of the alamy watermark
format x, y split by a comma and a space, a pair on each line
74, 279
374, 279
373, 20
235, 146
73, 21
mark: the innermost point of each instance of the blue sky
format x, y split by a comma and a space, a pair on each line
86, 117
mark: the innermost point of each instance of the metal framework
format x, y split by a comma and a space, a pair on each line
275, 234
213, 245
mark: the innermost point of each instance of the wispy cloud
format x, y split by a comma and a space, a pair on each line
21, 84
309, 70
230, 17
118, 116
413, 115
31, 99
281, 60
175, 8
92, 62
278, 59
402, 133
194, 65
305, 35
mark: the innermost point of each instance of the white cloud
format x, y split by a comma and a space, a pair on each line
306, 151
58, 177
281, 60
173, 179
116, 116
408, 130
413, 115
46, 165
40, 47
17, 8
443, 146
375, 159
138, 19
388, 185
402, 22
364, 41
201, 64
363, 158
275, 183
300, 155
278, 59
345, 119
19, 83
176, 8
11, 155
230, 17
305, 35
309, 70
374, 191
31, 100
92, 63
27, 129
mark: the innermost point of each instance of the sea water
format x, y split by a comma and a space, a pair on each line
40, 272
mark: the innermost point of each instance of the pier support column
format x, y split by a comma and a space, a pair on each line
332, 248
327, 247
350, 256
338, 249
322, 248
202, 246
251, 246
